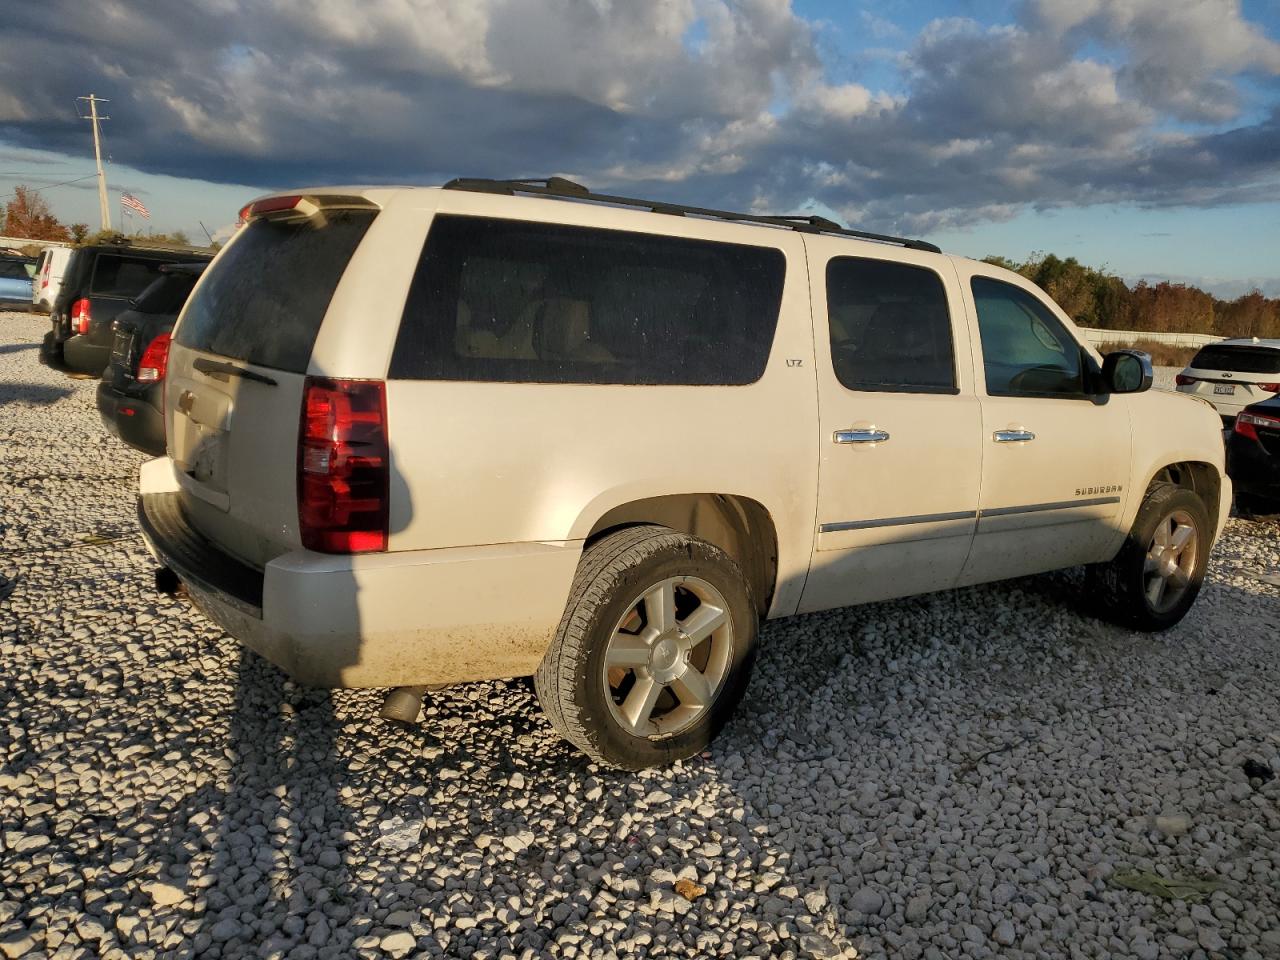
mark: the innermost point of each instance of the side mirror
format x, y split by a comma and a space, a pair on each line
1127, 371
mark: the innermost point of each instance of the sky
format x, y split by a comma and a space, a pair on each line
1139, 135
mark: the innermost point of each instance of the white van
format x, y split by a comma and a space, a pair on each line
48, 279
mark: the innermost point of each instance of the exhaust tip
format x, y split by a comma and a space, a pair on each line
403, 705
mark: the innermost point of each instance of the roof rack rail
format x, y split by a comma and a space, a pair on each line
562, 188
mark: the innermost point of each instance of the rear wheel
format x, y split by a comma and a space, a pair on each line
1156, 576
654, 650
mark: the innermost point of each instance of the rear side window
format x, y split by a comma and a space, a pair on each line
1238, 359
127, 277
890, 328
505, 300
265, 297
13, 270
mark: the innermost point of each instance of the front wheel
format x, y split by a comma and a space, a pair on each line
654, 650
1156, 576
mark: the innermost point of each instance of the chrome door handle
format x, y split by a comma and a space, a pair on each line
1012, 436
871, 435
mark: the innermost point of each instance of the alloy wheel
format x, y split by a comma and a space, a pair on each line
668, 656
1170, 561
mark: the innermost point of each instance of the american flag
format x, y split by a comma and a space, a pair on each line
134, 204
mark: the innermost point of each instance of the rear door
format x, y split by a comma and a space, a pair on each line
116, 280
899, 451
41, 280
237, 371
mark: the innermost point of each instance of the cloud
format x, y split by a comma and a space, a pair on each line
720, 102
1180, 56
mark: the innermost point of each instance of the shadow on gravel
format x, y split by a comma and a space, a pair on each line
15, 347
270, 842
34, 394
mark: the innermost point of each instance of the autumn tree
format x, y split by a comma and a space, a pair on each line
1171, 308
1252, 315
28, 215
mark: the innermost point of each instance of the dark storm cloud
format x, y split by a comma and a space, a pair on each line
709, 100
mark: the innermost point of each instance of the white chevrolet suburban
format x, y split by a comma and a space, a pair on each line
500, 428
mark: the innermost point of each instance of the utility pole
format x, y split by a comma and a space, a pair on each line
103, 204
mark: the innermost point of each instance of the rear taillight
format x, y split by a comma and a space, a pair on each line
154, 359
80, 316
1247, 424
269, 205
1183, 380
1268, 387
343, 466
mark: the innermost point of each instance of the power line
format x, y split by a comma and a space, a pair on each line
64, 183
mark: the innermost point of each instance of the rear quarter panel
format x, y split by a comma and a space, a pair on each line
487, 463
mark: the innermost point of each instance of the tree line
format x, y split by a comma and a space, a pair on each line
1093, 297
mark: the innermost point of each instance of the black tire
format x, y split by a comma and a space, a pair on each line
1119, 589
613, 574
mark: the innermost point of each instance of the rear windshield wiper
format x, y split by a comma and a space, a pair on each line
221, 371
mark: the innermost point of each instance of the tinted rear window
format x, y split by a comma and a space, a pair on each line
13, 270
167, 293
264, 299
504, 300
115, 276
890, 328
1238, 359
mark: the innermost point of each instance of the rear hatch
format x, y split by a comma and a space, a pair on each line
238, 365
154, 313
1234, 374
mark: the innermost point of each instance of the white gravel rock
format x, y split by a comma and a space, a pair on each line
958, 775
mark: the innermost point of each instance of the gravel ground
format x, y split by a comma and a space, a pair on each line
969, 774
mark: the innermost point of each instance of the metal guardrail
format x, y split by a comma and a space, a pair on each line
1130, 336
26, 241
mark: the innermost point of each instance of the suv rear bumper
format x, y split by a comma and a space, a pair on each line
131, 415
374, 620
82, 355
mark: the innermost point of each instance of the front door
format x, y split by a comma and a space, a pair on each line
1056, 453
900, 424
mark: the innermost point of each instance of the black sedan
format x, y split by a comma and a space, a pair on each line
1253, 457
131, 394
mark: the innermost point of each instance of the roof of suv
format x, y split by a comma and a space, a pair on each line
559, 188
146, 251
1271, 344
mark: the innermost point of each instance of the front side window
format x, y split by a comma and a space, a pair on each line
890, 328
1026, 351
510, 301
